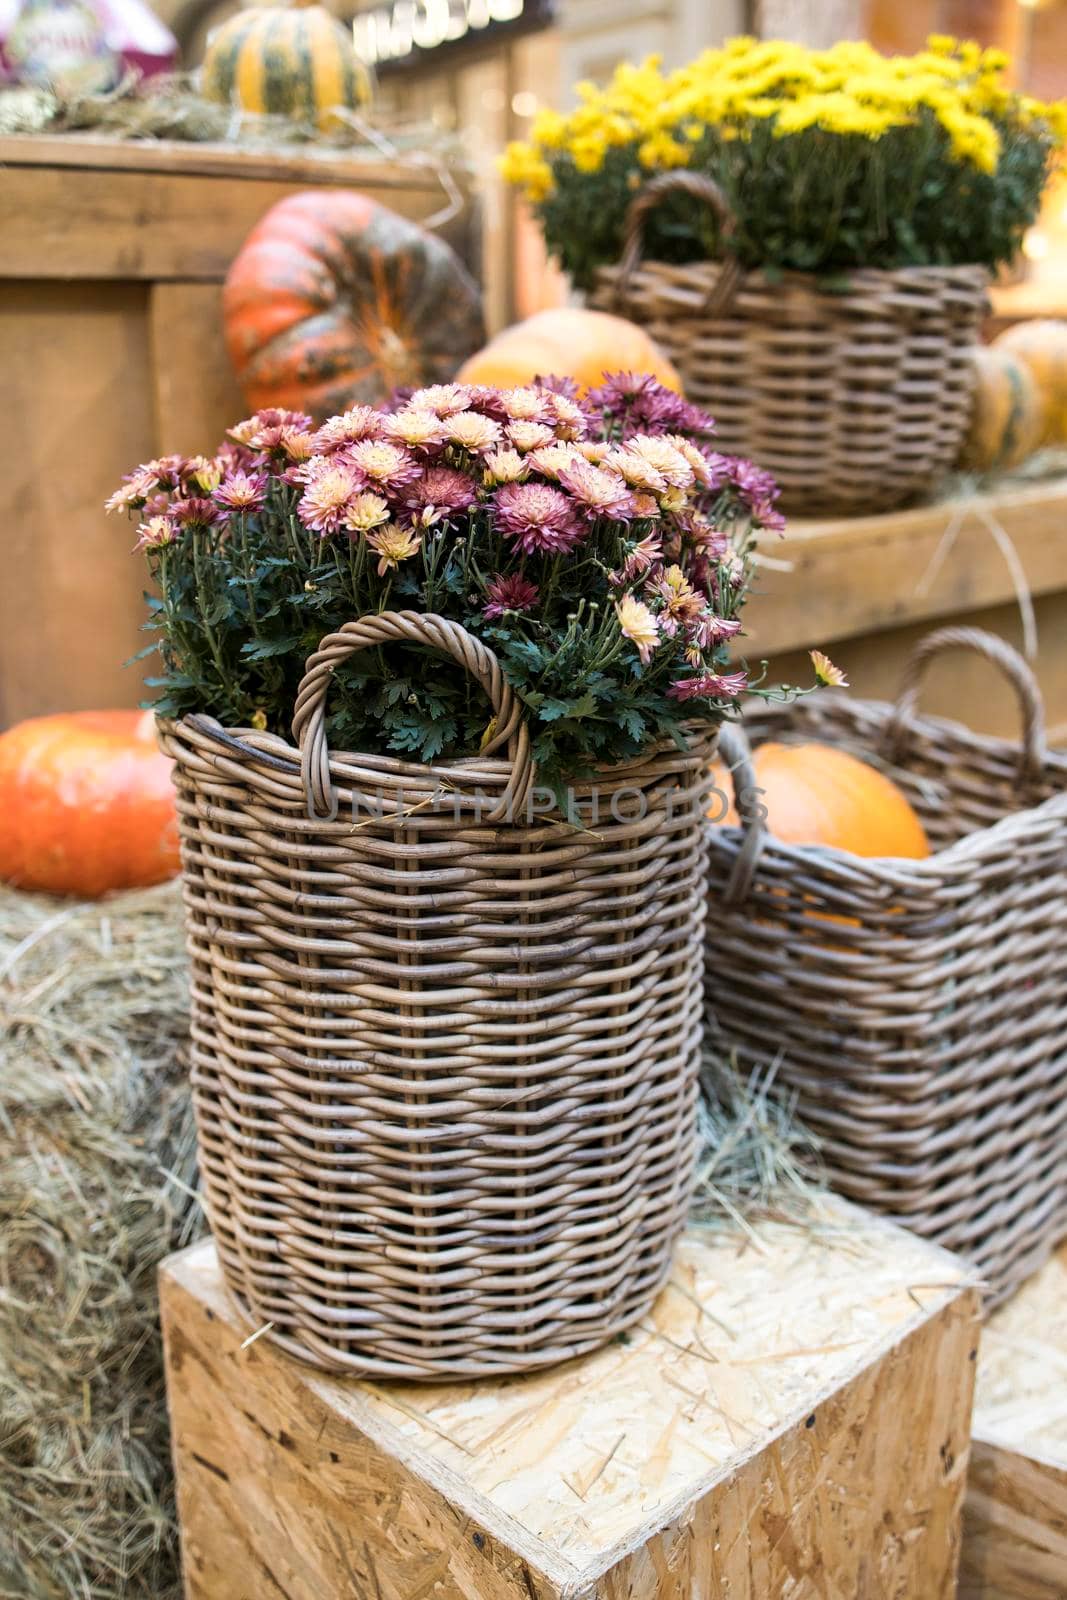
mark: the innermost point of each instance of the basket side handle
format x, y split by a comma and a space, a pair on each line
705, 191
736, 753
1003, 655
411, 627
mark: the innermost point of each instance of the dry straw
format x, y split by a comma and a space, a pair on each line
855, 397
97, 1164
919, 1007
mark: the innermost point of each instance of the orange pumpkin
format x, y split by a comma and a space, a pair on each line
334, 300
1007, 413
568, 343
86, 804
815, 794
1041, 345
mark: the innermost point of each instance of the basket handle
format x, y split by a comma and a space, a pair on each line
705, 191
413, 627
736, 753
1002, 655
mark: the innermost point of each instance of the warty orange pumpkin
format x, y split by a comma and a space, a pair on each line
333, 300
815, 794
570, 342
86, 804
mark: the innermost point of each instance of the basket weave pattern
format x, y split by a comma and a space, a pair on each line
856, 400
917, 1008
444, 1060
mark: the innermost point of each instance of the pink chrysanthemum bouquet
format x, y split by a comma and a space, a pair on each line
601, 547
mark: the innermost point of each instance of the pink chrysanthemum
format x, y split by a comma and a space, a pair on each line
325, 500
155, 533
379, 464
709, 686
360, 422
512, 593
536, 517
645, 555
571, 421
708, 630
266, 431
638, 473
444, 490
680, 600
194, 510
297, 444
136, 489
242, 491
599, 493
442, 398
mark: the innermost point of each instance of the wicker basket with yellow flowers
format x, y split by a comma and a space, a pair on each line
808, 234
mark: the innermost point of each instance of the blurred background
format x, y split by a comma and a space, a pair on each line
482, 68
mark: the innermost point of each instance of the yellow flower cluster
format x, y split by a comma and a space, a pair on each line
849, 89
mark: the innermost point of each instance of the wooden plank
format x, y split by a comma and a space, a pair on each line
70, 223
960, 686
792, 1418
196, 396
1015, 1540
314, 165
73, 417
863, 575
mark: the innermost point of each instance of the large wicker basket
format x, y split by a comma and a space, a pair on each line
917, 1008
444, 1057
856, 400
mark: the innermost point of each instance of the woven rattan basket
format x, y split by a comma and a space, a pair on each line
444, 1058
856, 400
917, 1008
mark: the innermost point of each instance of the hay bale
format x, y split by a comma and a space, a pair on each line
97, 1175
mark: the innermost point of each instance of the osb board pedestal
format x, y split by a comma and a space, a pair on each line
1015, 1521
791, 1420
112, 259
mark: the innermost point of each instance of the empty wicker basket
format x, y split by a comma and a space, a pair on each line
444, 1058
917, 1008
856, 400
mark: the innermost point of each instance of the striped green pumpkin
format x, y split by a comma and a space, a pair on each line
296, 62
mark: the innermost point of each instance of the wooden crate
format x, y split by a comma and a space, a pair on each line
112, 257
1015, 1521
791, 1420
855, 588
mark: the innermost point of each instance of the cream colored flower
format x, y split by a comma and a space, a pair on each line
393, 545
665, 457
505, 466
530, 435
414, 426
826, 673
473, 432
638, 625
366, 511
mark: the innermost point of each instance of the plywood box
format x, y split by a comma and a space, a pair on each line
1015, 1543
112, 258
791, 1420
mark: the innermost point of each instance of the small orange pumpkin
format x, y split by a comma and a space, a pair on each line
815, 794
1007, 412
1041, 345
571, 342
86, 804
